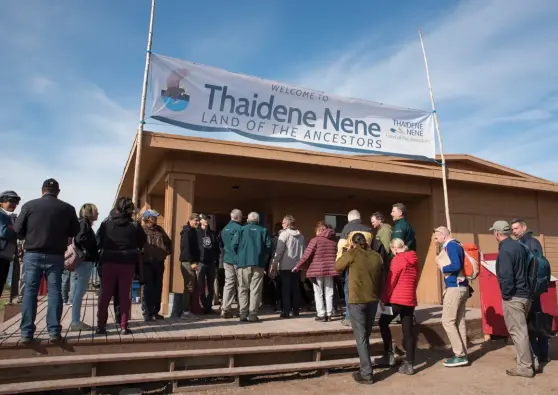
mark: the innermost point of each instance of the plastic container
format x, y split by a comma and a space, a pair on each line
135, 292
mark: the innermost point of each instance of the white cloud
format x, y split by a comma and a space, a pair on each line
490, 62
40, 85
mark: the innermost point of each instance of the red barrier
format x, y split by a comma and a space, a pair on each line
491, 301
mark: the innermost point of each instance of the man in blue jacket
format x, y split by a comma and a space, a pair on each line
539, 343
511, 270
8, 236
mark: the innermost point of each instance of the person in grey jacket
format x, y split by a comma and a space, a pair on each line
289, 250
8, 236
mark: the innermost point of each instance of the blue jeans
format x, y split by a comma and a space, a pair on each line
69, 280
79, 288
35, 265
346, 289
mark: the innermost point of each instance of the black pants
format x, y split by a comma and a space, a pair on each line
153, 288
4, 269
278, 293
406, 313
290, 286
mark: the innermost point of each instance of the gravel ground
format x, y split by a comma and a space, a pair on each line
486, 375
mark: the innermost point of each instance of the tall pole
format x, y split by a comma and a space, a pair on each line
437, 125
139, 134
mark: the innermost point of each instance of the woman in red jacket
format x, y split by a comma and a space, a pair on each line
320, 255
400, 296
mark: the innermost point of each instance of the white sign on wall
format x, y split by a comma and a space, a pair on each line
234, 107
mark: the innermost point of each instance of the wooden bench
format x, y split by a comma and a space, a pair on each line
92, 382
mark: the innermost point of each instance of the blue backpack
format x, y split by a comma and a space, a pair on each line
538, 272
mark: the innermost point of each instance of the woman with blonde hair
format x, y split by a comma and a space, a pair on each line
85, 240
400, 299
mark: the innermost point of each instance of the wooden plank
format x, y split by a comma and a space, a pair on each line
88, 316
11, 327
98, 358
51, 385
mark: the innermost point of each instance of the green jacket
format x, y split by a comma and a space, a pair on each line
383, 235
227, 235
402, 230
252, 245
366, 274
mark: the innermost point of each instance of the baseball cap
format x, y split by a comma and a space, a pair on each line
205, 216
194, 216
9, 195
500, 226
51, 183
150, 213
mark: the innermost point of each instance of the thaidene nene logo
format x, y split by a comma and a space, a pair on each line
175, 95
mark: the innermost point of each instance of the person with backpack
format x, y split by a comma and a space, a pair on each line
512, 266
451, 263
538, 337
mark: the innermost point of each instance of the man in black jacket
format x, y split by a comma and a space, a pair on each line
511, 270
45, 224
189, 259
209, 257
539, 341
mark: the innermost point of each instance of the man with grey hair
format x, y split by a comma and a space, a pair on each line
511, 270
229, 261
252, 246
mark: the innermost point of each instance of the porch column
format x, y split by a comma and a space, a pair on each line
179, 200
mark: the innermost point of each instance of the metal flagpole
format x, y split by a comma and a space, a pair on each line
444, 169
139, 135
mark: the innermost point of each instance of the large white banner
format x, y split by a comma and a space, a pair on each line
236, 106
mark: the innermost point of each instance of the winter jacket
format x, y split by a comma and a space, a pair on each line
252, 245
158, 245
402, 280
290, 247
46, 224
383, 235
531, 242
87, 241
189, 246
227, 234
320, 255
208, 245
366, 274
511, 270
404, 231
8, 236
120, 240
354, 226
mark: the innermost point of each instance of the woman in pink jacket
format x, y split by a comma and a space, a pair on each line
320, 258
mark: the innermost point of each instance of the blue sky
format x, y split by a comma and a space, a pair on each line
71, 74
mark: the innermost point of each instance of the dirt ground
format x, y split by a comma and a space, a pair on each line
485, 375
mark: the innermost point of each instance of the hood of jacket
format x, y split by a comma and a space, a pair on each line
120, 219
293, 232
385, 226
410, 257
328, 233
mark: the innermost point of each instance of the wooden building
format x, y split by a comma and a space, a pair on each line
180, 175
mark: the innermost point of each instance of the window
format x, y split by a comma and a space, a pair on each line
337, 221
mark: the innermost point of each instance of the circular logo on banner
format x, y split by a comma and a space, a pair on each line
175, 96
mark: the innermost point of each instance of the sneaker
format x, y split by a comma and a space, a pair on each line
66, 303
253, 318
284, 315
362, 380
226, 314
407, 368
243, 319
25, 340
456, 361
320, 319
125, 331
388, 359
187, 315
55, 338
148, 318
346, 323
80, 326
158, 317
520, 373
100, 331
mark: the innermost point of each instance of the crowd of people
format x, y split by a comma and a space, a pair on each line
376, 265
